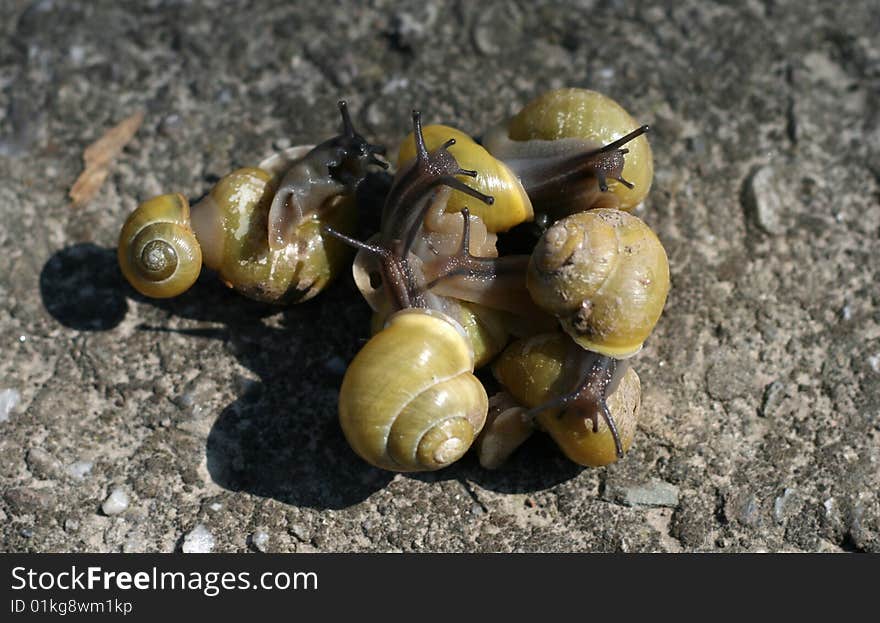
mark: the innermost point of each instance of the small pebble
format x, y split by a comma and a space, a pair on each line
764, 199
9, 398
780, 504
198, 541
260, 539
116, 502
280, 144
71, 525
749, 512
653, 493
80, 469
874, 362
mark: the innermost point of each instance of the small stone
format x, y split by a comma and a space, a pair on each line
781, 504
116, 502
260, 539
43, 465
71, 525
764, 199
773, 396
300, 532
9, 398
199, 540
280, 144
652, 493
80, 469
749, 512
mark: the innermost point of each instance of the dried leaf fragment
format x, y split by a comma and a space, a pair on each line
99, 155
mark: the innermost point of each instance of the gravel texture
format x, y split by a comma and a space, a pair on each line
215, 417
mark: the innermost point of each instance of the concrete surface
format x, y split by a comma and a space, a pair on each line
208, 423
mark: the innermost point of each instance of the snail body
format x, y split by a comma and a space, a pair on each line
605, 275
511, 205
231, 222
426, 416
539, 373
565, 146
158, 251
260, 227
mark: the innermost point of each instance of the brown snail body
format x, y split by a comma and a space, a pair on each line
566, 146
588, 403
260, 227
511, 205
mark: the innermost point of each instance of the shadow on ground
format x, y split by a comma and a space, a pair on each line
302, 459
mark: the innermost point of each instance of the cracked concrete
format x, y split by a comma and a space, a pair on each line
216, 416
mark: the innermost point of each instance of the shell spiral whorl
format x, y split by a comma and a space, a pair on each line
158, 251
409, 400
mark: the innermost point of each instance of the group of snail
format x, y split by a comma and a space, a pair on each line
558, 320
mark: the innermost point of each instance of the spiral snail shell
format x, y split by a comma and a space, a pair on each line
232, 224
158, 251
565, 145
538, 370
425, 416
259, 227
605, 275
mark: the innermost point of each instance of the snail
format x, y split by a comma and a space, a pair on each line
605, 275
587, 402
511, 205
260, 227
409, 400
566, 146
158, 251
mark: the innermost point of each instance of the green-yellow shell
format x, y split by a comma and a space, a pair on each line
231, 223
486, 328
595, 118
605, 275
158, 251
532, 371
409, 400
511, 207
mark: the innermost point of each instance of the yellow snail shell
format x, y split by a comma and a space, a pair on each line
533, 371
605, 275
231, 223
158, 251
511, 207
409, 400
577, 119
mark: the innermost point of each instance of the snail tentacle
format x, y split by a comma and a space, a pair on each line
408, 200
589, 398
335, 167
543, 177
